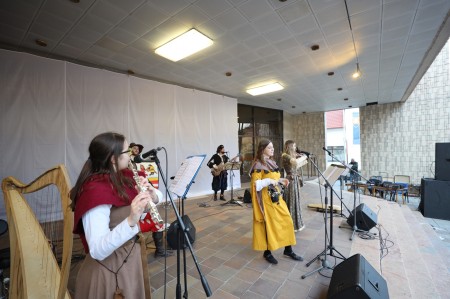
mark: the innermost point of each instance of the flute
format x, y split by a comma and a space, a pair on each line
151, 206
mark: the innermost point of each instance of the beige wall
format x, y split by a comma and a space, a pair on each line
310, 136
396, 138
400, 138
288, 126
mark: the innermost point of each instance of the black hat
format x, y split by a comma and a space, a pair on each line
140, 146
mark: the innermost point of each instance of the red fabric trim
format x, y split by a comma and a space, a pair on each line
98, 190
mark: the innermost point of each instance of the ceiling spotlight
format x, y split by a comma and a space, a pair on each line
41, 43
315, 47
184, 45
357, 74
265, 89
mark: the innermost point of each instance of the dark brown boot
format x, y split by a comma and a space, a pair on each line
158, 239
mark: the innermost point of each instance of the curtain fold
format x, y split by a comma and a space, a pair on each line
50, 110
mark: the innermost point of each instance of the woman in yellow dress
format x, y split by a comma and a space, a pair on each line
272, 222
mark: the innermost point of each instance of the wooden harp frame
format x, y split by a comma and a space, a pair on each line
34, 270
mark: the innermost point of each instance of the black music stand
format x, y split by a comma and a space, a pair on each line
180, 186
331, 174
230, 166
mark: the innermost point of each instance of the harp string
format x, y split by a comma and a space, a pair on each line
41, 211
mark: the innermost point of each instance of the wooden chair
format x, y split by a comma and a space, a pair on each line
375, 180
384, 176
403, 181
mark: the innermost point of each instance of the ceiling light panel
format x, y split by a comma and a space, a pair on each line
184, 45
265, 89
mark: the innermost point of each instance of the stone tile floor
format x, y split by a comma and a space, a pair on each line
415, 265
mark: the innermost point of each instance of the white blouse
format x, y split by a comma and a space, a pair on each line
101, 240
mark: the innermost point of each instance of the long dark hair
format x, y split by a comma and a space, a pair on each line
101, 149
263, 143
288, 148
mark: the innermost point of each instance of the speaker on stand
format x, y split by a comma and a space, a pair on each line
442, 163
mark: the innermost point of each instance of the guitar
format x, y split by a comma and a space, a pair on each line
218, 170
221, 167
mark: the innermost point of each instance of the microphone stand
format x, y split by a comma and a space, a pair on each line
354, 176
325, 264
341, 182
231, 173
182, 229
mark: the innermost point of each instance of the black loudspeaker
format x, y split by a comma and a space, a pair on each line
172, 239
435, 199
355, 278
442, 163
247, 196
365, 218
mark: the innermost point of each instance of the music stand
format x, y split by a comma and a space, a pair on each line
183, 180
331, 174
232, 166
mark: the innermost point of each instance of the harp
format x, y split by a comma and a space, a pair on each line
40, 250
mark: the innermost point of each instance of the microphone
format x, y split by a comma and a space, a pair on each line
151, 152
326, 150
138, 159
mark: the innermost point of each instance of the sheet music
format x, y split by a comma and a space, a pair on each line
332, 174
232, 165
301, 161
186, 174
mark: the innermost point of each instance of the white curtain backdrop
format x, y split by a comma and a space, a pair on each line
50, 110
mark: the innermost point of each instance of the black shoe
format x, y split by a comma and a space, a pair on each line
293, 256
269, 257
222, 197
163, 253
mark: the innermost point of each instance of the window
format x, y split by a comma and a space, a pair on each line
256, 123
338, 152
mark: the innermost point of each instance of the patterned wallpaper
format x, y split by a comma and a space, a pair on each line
400, 138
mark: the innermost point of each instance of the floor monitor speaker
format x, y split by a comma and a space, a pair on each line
435, 199
247, 196
355, 278
365, 218
172, 239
